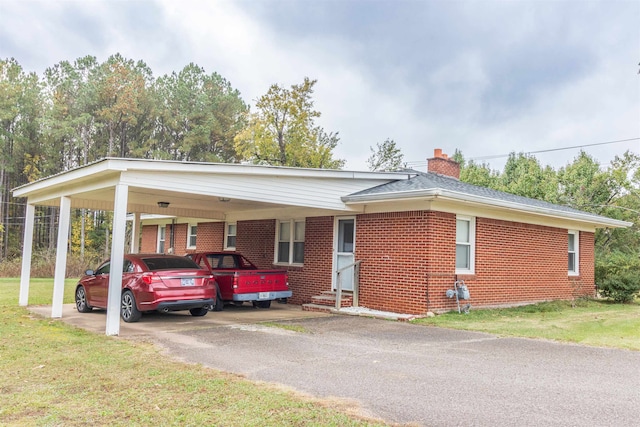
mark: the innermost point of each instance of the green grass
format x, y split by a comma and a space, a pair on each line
285, 326
589, 322
54, 374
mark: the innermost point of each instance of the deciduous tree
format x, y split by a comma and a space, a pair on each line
385, 157
283, 131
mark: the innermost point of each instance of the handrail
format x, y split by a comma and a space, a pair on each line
356, 283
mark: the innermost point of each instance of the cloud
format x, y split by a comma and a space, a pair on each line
485, 77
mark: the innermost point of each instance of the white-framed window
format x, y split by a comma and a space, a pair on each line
230, 230
162, 232
465, 244
574, 253
192, 232
290, 242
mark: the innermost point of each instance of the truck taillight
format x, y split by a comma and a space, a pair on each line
235, 281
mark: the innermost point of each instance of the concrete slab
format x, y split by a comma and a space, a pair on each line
180, 320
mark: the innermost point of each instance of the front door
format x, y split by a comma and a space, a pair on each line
345, 246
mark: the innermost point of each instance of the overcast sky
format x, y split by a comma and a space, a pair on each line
485, 77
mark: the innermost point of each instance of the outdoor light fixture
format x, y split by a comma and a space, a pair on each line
163, 204
224, 199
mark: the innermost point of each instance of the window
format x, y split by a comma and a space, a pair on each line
191, 236
290, 242
162, 231
103, 269
230, 236
465, 244
574, 259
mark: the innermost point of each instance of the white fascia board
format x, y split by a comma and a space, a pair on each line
585, 217
57, 190
486, 201
250, 169
89, 171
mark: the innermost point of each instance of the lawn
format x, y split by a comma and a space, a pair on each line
589, 322
54, 374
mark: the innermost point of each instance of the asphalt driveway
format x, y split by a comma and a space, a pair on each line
404, 373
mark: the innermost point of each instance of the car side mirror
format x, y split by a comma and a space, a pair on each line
89, 272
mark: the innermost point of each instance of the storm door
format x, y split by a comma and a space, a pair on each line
345, 246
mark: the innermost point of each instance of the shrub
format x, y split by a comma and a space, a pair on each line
43, 264
618, 276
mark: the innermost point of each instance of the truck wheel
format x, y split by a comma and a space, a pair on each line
263, 304
219, 305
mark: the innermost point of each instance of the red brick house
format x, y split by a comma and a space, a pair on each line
415, 237
414, 233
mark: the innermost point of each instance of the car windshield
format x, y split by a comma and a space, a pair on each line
170, 263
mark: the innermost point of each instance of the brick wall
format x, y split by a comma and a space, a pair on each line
515, 262
393, 249
585, 283
179, 239
315, 277
256, 240
210, 236
149, 241
518, 262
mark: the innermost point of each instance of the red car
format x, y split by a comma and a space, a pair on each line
150, 282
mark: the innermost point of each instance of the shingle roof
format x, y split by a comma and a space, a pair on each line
423, 183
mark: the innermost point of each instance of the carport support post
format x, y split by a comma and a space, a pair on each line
117, 261
135, 233
61, 256
27, 249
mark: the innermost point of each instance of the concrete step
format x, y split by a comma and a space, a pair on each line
329, 299
318, 308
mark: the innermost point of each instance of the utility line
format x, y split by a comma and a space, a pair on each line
556, 149
497, 156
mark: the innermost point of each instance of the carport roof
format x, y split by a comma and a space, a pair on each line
199, 189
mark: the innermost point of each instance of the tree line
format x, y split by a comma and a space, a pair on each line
82, 111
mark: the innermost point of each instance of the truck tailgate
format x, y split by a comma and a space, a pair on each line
261, 281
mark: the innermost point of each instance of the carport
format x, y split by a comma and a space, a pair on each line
210, 191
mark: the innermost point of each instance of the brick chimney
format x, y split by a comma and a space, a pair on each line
441, 164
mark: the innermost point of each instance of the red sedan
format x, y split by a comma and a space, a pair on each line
150, 282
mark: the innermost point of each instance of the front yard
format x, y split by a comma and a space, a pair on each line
589, 322
54, 374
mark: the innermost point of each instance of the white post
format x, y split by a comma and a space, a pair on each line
135, 233
27, 249
117, 255
61, 256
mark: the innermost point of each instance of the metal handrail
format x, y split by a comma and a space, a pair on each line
356, 284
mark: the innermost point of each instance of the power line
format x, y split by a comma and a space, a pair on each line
497, 156
556, 149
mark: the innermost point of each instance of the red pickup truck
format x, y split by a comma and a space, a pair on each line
240, 280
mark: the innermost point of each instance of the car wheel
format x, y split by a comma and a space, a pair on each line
197, 312
128, 310
263, 304
219, 305
81, 300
